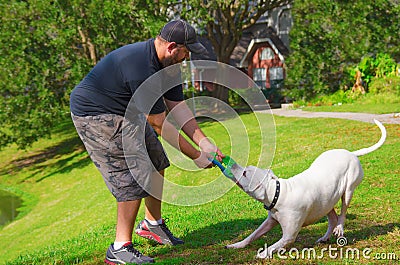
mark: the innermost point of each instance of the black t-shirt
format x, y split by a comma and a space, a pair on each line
110, 85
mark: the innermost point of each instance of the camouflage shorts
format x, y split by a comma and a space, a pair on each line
116, 147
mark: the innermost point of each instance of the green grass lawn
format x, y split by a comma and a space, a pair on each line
368, 103
68, 215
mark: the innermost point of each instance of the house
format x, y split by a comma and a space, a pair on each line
260, 53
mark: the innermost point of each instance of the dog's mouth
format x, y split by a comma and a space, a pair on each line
249, 182
243, 178
238, 179
240, 186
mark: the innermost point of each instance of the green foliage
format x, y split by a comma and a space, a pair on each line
33, 66
236, 101
385, 98
385, 65
338, 97
46, 50
330, 37
372, 68
366, 66
386, 85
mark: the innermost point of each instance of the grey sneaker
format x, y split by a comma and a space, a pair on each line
126, 254
158, 233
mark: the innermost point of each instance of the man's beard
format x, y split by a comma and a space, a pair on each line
172, 71
169, 61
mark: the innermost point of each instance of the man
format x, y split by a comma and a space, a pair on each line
126, 151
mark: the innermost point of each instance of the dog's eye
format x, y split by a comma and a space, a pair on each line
244, 174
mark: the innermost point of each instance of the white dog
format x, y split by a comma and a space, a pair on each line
306, 197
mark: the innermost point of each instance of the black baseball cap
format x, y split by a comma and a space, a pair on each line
181, 32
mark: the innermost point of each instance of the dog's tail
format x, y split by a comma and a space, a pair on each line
370, 149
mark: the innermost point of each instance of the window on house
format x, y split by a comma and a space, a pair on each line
260, 77
276, 73
267, 54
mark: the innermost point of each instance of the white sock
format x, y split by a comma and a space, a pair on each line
158, 222
118, 245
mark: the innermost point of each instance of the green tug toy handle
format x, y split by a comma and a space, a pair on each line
225, 166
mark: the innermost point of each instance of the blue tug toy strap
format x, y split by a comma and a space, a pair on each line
226, 170
218, 164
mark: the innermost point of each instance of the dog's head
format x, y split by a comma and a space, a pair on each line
253, 180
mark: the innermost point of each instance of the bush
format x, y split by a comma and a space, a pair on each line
367, 68
381, 66
385, 85
339, 97
385, 65
381, 91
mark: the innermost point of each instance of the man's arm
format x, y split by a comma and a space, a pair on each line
174, 138
185, 119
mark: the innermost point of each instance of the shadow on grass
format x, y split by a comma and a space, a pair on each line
203, 246
207, 245
370, 232
62, 166
61, 157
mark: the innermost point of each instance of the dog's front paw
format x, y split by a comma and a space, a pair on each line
338, 231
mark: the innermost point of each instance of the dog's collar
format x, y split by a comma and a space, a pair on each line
277, 191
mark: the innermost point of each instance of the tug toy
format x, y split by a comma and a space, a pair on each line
225, 166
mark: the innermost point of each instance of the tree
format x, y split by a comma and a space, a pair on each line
34, 65
46, 49
224, 22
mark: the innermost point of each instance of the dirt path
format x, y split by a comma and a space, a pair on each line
392, 118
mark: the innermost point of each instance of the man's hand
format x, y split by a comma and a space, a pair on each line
207, 147
207, 151
219, 155
204, 160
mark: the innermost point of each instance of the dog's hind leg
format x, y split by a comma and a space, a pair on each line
332, 223
261, 230
346, 198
